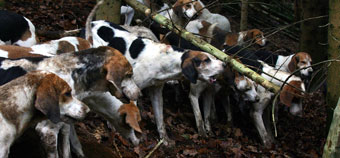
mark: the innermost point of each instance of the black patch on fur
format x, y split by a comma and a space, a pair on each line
118, 43
178, 41
16, 71
247, 57
116, 26
11, 73
105, 33
177, 48
93, 60
267, 56
136, 47
12, 26
218, 38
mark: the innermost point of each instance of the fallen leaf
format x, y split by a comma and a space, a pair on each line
190, 152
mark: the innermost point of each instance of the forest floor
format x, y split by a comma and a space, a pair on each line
297, 137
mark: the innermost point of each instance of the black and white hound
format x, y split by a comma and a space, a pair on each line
155, 63
16, 30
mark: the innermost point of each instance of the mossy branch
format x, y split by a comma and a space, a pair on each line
203, 45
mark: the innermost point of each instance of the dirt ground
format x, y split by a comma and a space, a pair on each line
297, 137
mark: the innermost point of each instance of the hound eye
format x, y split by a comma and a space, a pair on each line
188, 6
68, 94
207, 60
303, 62
129, 75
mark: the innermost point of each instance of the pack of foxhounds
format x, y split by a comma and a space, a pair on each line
49, 85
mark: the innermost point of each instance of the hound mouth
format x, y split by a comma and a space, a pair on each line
212, 79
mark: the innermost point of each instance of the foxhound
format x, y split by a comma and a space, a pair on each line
36, 91
155, 63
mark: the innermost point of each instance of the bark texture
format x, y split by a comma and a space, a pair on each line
332, 145
333, 76
244, 15
109, 11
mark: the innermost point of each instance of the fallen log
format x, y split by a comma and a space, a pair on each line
203, 45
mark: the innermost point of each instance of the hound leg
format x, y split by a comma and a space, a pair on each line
65, 144
156, 96
256, 114
195, 91
48, 133
129, 13
75, 143
207, 105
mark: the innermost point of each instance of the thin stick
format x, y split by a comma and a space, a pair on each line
116, 147
154, 149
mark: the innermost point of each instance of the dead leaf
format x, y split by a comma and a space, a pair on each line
190, 152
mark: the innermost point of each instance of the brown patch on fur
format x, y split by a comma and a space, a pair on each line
204, 31
83, 44
65, 47
15, 52
9, 107
231, 39
132, 115
26, 35
117, 68
288, 92
198, 7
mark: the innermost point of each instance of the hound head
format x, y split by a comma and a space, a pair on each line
199, 65
130, 116
247, 88
292, 97
257, 35
185, 8
54, 99
301, 60
119, 74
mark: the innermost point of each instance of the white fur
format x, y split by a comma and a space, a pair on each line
3, 54
222, 22
50, 49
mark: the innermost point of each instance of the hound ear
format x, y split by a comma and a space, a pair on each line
293, 63
47, 98
198, 8
188, 67
286, 95
132, 115
114, 75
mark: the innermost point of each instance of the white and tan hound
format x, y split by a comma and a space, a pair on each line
36, 91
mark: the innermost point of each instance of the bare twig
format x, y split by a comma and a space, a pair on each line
154, 149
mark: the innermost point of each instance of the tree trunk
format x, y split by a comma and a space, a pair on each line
203, 45
333, 75
332, 145
109, 11
313, 37
244, 15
